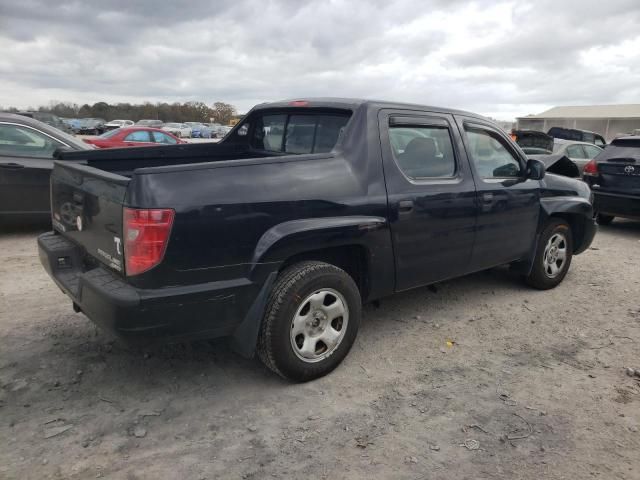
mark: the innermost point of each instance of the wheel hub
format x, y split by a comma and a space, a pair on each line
319, 325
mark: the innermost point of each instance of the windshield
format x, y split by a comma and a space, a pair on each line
173, 125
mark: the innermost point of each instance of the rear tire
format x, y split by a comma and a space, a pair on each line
603, 219
553, 256
311, 321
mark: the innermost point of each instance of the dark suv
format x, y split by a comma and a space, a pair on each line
614, 178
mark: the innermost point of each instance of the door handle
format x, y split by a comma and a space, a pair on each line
11, 165
487, 197
405, 206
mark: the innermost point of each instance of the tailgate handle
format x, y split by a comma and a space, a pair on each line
11, 165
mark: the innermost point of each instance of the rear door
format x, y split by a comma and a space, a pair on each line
509, 203
431, 194
26, 161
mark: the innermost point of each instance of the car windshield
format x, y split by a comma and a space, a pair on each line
173, 125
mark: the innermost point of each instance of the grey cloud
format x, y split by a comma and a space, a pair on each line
248, 51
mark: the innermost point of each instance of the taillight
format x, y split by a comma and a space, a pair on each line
591, 168
146, 234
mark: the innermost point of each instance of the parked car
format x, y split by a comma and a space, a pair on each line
578, 152
27, 147
91, 126
150, 123
180, 130
199, 130
48, 118
614, 178
577, 135
133, 137
275, 236
219, 131
113, 124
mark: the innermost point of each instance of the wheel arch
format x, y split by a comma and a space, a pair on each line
577, 212
360, 245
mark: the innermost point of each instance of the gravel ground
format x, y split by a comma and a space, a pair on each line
475, 378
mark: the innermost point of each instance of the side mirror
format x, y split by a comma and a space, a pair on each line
535, 169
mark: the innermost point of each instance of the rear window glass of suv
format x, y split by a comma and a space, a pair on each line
298, 133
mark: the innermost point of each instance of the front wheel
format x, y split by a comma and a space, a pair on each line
310, 322
553, 256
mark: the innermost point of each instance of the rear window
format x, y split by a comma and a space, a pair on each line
298, 133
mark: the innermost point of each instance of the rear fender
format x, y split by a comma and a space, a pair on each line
296, 237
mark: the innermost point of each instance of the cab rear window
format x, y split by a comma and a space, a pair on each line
298, 133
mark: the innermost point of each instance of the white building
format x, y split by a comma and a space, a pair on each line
609, 121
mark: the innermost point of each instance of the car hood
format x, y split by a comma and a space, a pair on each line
559, 164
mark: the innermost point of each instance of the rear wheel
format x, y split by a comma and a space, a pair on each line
603, 219
553, 256
310, 322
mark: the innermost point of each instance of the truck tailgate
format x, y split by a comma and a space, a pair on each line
86, 208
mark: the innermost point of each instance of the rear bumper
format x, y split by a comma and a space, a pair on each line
617, 205
202, 311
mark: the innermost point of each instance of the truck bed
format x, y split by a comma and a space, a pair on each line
124, 161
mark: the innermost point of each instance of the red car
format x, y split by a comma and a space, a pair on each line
133, 137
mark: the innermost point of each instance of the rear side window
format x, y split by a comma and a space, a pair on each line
575, 151
423, 151
25, 142
591, 151
160, 137
298, 133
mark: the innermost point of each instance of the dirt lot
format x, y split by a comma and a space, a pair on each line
532, 385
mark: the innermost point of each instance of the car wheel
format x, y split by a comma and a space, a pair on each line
603, 219
179, 134
553, 256
310, 322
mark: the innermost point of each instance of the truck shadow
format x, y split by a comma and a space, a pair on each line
623, 227
177, 366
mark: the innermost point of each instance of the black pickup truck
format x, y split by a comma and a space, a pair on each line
275, 236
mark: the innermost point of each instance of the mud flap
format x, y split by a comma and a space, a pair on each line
245, 337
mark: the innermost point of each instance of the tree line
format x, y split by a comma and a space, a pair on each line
219, 112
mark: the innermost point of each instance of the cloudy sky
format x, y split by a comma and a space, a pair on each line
501, 59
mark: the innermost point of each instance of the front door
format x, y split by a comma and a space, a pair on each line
509, 203
432, 198
26, 161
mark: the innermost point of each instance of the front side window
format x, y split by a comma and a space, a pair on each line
423, 151
19, 141
160, 137
490, 154
298, 133
138, 136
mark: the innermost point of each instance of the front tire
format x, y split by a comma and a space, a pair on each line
553, 256
311, 321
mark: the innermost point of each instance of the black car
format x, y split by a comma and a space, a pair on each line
614, 178
91, 126
276, 235
27, 147
578, 135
